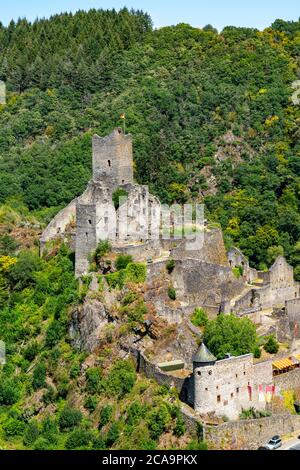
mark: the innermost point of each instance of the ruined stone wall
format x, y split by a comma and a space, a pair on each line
184, 386
212, 249
223, 388
201, 284
292, 308
58, 224
249, 434
288, 381
139, 252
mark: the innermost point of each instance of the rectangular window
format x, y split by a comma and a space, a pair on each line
218, 398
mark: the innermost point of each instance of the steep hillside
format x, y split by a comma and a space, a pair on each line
211, 115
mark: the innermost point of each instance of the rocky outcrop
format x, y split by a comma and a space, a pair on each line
88, 320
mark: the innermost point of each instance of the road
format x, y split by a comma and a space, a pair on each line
291, 444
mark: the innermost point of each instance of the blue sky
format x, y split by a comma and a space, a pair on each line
220, 13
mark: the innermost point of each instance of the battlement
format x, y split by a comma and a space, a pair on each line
112, 159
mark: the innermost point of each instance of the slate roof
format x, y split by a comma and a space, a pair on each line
203, 355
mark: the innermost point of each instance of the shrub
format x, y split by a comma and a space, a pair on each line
13, 427
197, 445
98, 443
9, 391
54, 333
179, 428
172, 293
271, 346
136, 273
129, 298
78, 438
157, 421
31, 433
49, 430
103, 248
117, 194
199, 317
170, 266
69, 418
91, 403
122, 261
105, 415
115, 280
22, 273
112, 435
121, 378
257, 352
41, 444
93, 380
39, 376
31, 351
135, 413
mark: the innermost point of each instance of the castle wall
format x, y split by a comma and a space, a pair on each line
206, 285
293, 312
212, 249
223, 388
249, 434
58, 224
86, 239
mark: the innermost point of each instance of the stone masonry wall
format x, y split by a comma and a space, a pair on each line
293, 312
249, 434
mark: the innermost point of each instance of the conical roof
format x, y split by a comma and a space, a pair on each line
203, 355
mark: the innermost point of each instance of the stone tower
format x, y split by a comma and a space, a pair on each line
203, 362
112, 159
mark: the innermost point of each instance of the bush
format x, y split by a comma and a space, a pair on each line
91, 403
9, 391
115, 280
39, 376
69, 418
42, 444
136, 273
271, 346
170, 266
79, 438
13, 427
121, 379
22, 273
199, 317
122, 261
179, 428
105, 415
257, 352
31, 351
31, 433
50, 430
135, 413
172, 293
93, 380
103, 248
157, 421
112, 435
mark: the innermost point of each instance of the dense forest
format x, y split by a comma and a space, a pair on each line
212, 120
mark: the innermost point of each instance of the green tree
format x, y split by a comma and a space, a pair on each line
230, 334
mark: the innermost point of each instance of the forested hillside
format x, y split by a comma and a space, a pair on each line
183, 90
212, 121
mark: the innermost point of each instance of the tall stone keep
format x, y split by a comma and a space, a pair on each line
112, 159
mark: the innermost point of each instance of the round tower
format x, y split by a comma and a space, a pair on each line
203, 362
